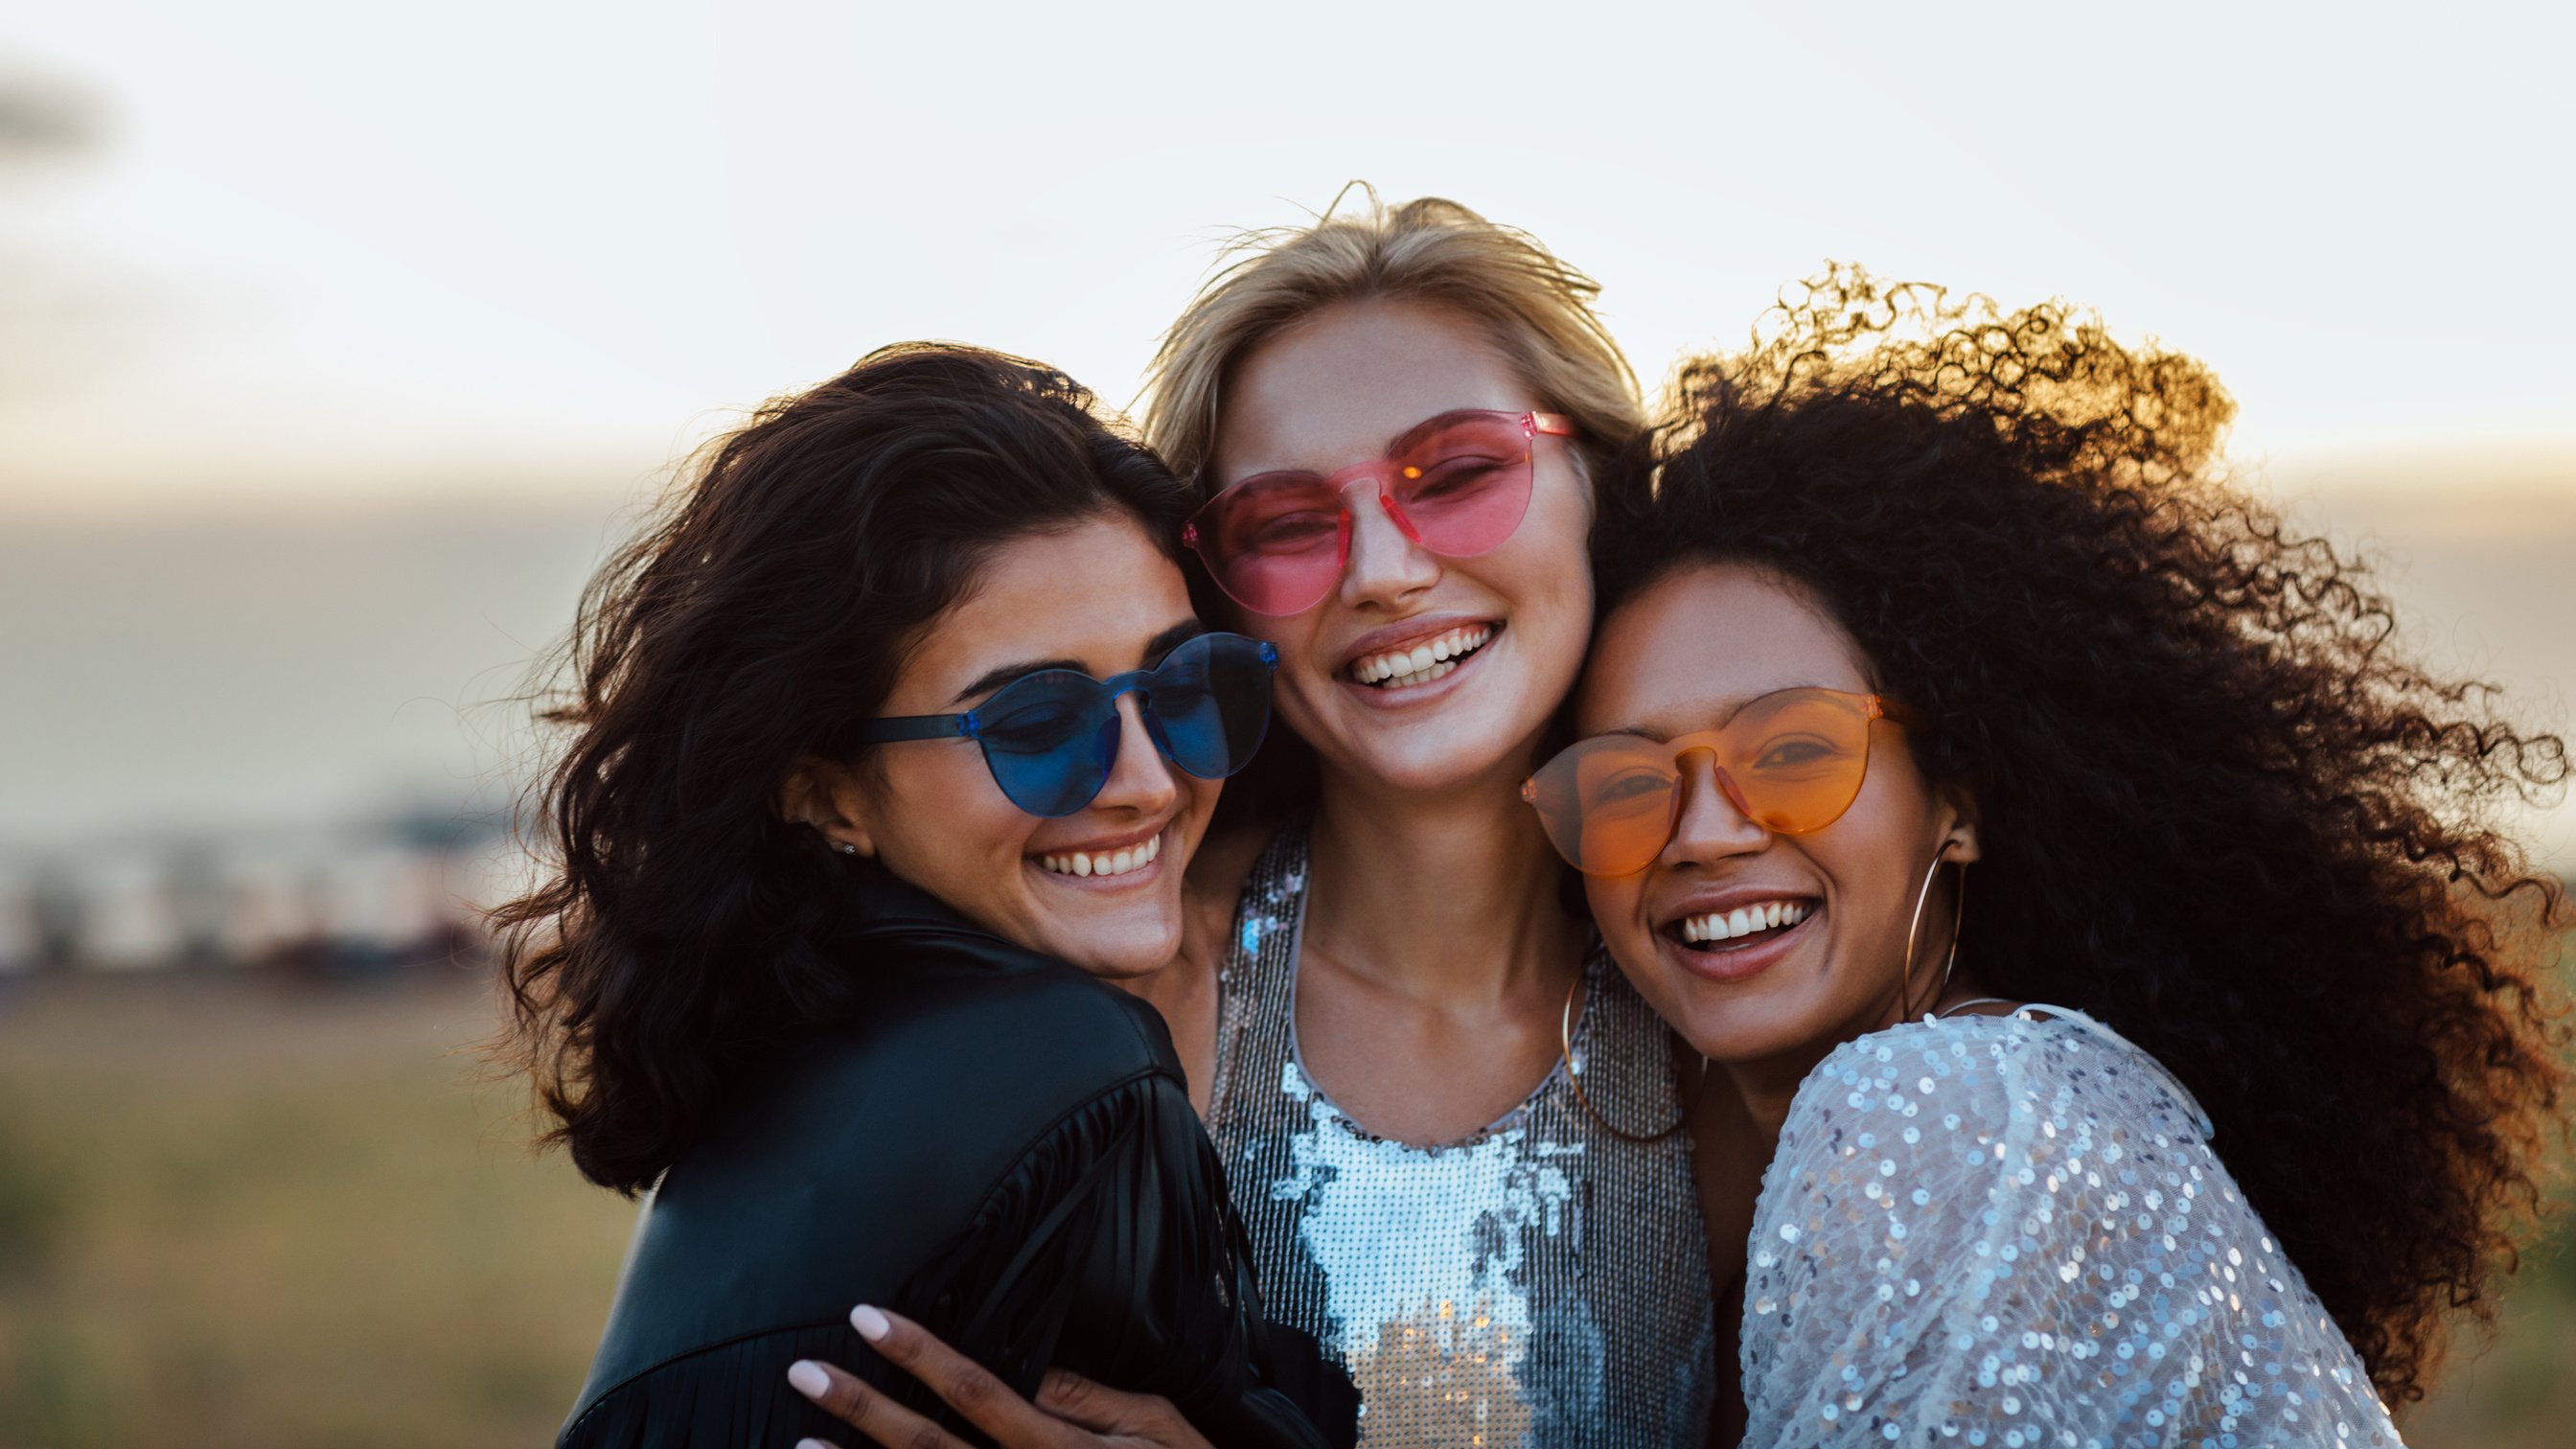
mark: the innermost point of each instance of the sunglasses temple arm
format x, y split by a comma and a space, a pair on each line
917, 727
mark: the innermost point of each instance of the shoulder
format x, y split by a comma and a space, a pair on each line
1984, 1202
2031, 1066
1219, 872
1921, 1161
1977, 1109
976, 1050
1245, 888
943, 1009
858, 1153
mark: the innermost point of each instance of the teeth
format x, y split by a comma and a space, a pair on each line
1425, 675
1398, 668
1106, 862
1743, 921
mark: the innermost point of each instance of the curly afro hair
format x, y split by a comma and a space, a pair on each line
2218, 808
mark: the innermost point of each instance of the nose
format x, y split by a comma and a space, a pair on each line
1709, 823
1140, 780
1384, 564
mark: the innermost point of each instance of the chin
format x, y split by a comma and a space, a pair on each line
1447, 754
1123, 952
1723, 1024
1750, 1029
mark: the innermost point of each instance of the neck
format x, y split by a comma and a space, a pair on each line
1768, 1087
1437, 894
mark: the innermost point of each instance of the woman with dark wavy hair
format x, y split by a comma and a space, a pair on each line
2221, 1089
891, 741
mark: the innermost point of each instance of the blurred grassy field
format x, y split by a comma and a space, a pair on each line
233, 1218
230, 1217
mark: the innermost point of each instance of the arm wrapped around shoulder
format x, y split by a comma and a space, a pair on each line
1108, 1247
2013, 1232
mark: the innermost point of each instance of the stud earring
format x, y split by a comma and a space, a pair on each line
845, 847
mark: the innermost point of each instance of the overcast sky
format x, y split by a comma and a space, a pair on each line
364, 249
420, 259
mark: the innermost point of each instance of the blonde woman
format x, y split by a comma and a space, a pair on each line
1446, 1119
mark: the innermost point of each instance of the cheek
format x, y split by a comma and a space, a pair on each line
950, 820
1617, 906
1201, 796
1304, 675
1548, 553
1619, 912
1877, 864
1545, 579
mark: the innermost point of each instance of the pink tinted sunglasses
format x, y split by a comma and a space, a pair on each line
1457, 484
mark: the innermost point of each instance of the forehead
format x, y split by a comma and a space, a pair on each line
1704, 639
1338, 386
1096, 592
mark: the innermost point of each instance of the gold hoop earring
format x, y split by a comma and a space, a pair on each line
1574, 1077
1914, 930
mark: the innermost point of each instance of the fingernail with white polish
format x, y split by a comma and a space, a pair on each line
871, 1324
809, 1380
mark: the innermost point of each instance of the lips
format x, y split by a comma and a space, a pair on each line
1737, 933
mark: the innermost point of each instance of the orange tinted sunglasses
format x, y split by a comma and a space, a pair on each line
1791, 761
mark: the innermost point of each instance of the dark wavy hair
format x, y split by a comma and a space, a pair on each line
764, 612
2218, 807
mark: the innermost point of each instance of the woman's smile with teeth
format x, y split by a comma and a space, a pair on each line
1423, 662
1103, 862
1742, 921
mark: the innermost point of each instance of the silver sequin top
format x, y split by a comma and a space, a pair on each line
2011, 1231
1541, 1283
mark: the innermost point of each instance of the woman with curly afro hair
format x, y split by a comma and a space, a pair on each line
2224, 1088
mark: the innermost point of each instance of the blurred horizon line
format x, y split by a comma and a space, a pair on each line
2539, 466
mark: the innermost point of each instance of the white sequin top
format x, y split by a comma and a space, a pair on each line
1542, 1284
2012, 1232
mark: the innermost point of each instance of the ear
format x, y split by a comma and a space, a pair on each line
1958, 813
831, 797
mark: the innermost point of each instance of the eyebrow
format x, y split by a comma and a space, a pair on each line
1436, 420
1155, 648
1723, 720
1392, 447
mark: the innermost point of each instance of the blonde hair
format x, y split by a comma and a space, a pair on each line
1535, 307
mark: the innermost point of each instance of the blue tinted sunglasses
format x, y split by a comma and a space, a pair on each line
1051, 738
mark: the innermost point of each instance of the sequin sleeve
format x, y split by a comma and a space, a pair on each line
2013, 1232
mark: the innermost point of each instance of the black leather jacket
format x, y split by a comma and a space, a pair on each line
998, 1146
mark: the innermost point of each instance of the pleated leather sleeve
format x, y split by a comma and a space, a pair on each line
1114, 1252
